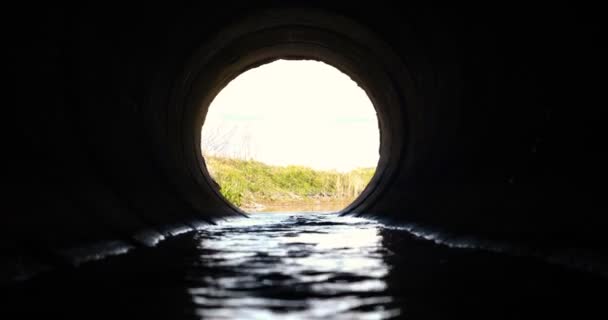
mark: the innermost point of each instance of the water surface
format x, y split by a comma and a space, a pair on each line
307, 266
301, 206
310, 265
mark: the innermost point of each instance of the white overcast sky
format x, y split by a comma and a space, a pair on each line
296, 112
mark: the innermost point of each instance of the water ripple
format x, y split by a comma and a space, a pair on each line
285, 265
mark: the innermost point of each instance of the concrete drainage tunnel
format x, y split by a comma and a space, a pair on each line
490, 141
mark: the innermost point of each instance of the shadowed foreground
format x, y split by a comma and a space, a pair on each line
308, 266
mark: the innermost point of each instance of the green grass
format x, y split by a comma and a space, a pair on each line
244, 182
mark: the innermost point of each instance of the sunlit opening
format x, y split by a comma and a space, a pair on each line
291, 136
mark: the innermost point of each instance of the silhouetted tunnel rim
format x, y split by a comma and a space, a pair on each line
292, 35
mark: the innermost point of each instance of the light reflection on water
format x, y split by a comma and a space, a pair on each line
293, 266
309, 266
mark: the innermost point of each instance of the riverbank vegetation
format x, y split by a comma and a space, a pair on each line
248, 183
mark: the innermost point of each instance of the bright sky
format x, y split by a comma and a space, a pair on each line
294, 112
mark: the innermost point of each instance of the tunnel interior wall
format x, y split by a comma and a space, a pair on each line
503, 140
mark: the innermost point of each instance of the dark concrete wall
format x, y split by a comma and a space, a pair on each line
505, 143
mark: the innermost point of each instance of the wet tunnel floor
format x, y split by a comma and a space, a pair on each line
308, 266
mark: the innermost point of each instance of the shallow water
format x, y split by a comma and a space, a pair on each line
308, 266
309, 205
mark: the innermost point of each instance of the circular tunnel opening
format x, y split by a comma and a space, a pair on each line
291, 135
291, 36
